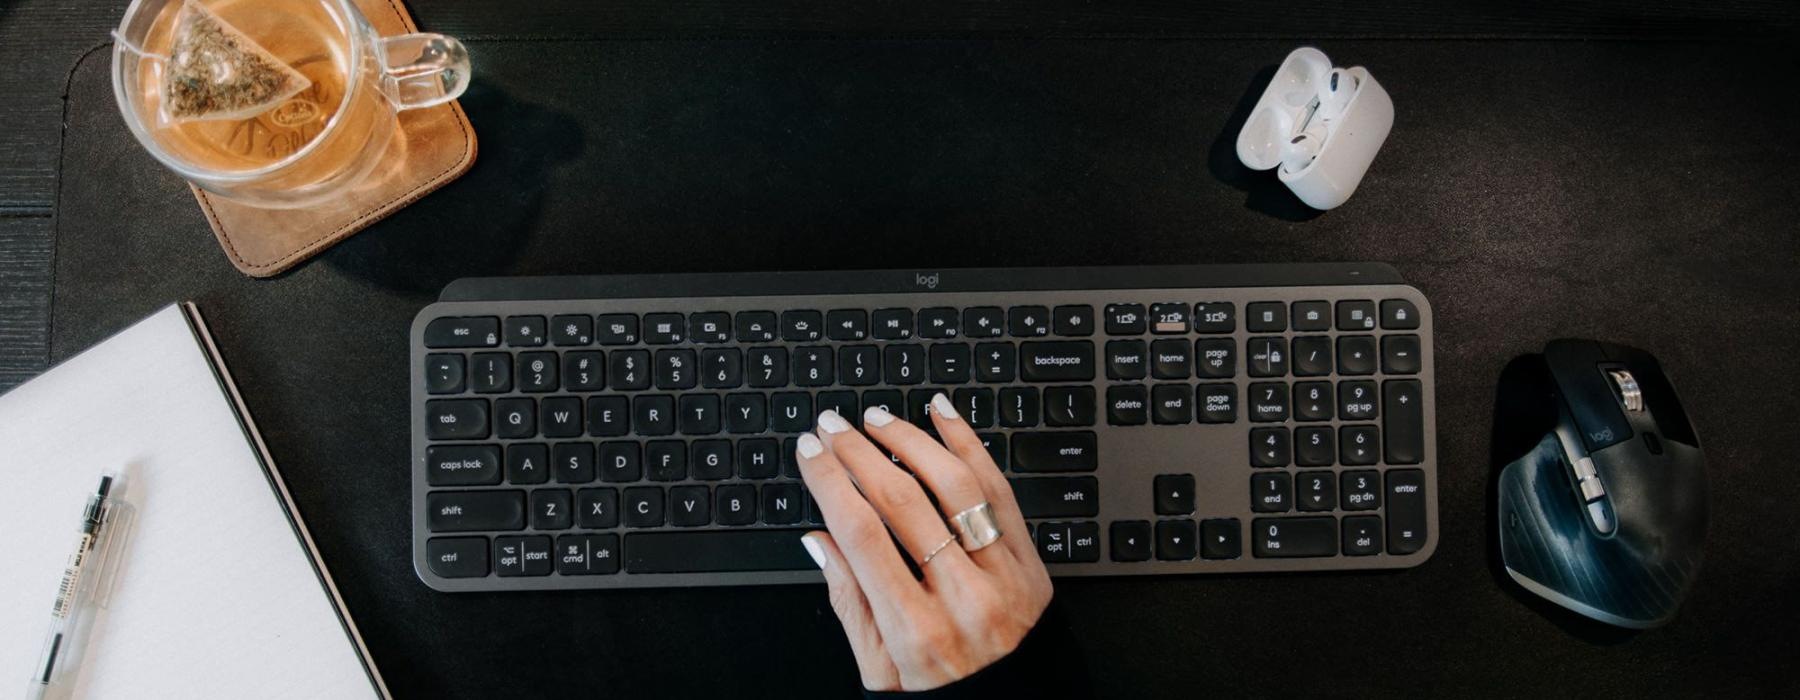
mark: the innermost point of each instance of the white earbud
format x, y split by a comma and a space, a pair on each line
1303, 148
1335, 94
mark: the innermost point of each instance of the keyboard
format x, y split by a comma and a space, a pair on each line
638, 431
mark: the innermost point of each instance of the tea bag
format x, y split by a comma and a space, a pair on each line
214, 71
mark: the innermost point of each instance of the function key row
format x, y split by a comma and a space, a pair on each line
1174, 318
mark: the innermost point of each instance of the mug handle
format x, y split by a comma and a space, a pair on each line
423, 70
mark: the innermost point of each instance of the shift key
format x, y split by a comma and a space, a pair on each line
1058, 497
1066, 451
465, 511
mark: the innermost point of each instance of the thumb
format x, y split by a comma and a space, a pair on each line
852, 608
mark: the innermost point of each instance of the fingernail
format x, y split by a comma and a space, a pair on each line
813, 549
877, 416
809, 445
833, 423
942, 405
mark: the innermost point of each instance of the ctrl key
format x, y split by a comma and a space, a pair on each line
457, 557
1068, 542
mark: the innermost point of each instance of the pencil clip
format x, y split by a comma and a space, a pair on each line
117, 519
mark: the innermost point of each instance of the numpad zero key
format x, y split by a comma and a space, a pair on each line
638, 431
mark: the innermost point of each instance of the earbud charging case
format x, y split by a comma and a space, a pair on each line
1351, 140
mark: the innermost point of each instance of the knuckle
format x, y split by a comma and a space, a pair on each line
898, 496
861, 534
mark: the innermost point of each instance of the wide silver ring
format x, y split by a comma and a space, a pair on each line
935, 550
976, 527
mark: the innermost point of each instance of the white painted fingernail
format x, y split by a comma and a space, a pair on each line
877, 416
942, 405
833, 423
809, 446
813, 548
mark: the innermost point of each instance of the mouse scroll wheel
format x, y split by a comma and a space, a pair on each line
1627, 387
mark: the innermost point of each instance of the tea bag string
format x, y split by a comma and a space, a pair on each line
134, 48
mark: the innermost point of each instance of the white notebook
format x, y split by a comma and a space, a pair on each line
220, 593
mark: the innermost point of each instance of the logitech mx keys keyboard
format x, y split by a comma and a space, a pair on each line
638, 431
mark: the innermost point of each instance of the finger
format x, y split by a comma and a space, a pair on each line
873, 661
891, 588
895, 494
948, 477
960, 438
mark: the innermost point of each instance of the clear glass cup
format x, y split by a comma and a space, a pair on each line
310, 146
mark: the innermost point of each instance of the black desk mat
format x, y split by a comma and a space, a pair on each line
1641, 193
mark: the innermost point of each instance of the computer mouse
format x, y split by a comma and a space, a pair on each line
1607, 515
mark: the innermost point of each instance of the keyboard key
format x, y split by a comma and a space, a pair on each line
1126, 404
950, 363
1168, 319
1355, 315
572, 330
1084, 542
644, 507
716, 551
1217, 403
664, 329
467, 332
1271, 492
859, 365
527, 463
1215, 358
562, 417
995, 362
888, 400
710, 460
573, 462
1356, 400
791, 412
675, 369
1062, 451
1314, 447
1176, 540
620, 461
1268, 402
653, 415
1019, 407
1170, 405
737, 504
1294, 537
522, 556
1312, 356
1131, 540
918, 408
1358, 445
515, 418
904, 364
526, 331
583, 370
1220, 539
814, 365
1356, 354
843, 402
1399, 315
1057, 361
444, 374
995, 444
710, 327
1265, 317
755, 326
457, 557
938, 323
462, 465
1316, 490
768, 367
892, 324
758, 459
847, 324
1028, 321
616, 329
1312, 401
1269, 447
629, 370
690, 506
608, 416
456, 419
1400, 354
490, 373
463, 511
1362, 535
597, 509
1405, 420
1267, 357
1215, 317
1170, 359
781, 504
1174, 494
1361, 490
983, 322
1125, 319
1405, 511
1071, 406
722, 368
1053, 542
583, 555
1127, 359
666, 460
1073, 320
552, 509
1312, 316
976, 406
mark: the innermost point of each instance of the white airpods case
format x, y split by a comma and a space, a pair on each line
1351, 137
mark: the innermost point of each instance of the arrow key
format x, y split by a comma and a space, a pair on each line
1317, 490
1174, 494
1175, 540
1130, 540
1220, 539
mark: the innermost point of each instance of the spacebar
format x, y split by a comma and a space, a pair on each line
720, 550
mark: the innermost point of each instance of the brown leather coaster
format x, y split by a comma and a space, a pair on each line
435, 145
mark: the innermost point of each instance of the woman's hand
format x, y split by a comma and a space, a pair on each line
971, 608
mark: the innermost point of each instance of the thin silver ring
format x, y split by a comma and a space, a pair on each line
935, 550
976, 527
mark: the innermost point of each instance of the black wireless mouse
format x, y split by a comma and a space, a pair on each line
1607, 515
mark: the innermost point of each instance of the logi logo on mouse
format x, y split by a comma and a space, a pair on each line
927, 281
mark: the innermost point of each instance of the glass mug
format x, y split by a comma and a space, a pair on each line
308, 147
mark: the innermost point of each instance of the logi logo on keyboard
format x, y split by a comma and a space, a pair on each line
927, 281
